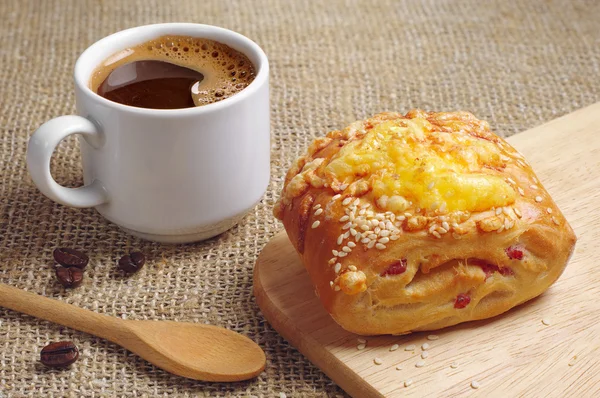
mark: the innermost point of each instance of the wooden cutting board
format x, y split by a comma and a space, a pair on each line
512, 355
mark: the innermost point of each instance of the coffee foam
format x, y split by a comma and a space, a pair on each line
225, 70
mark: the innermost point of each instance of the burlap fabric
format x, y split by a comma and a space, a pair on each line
516, 64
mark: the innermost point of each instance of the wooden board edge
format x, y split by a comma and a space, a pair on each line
335, 369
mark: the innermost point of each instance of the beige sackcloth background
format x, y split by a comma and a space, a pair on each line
515, 63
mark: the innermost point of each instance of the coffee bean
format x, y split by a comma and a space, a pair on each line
69, 277
132, 262
70, 258
60, 354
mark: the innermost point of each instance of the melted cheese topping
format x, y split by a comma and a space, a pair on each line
407, 160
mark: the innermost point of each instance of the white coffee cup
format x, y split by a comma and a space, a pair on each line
175, 175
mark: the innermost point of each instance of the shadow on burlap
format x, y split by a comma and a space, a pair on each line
332, 62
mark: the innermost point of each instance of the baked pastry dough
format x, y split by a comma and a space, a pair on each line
418, 222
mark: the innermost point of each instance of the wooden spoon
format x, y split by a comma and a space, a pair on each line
197, 351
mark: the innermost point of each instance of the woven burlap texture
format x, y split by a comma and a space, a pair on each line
516, 64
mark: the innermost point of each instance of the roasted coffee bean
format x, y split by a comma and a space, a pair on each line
69, 277
60, 354
70, 258
132, 262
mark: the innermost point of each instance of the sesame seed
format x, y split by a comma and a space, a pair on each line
361, 346
347, 225
533, 186
506, 223
555, 220
332, 261
365, 205
380, 246
546, 321
361, 340
372, 236
347, 234
371, 244
454, 225
475, 384
318, 212
342, 254
358, 236
433, 337
380, 216
394, 237
352, 268
436, 234
398, 219
340, 239
381, 225
538, 199
384, 240
356, 202
442, 230
407, 382
499, 211
344, 218
343, 187
353, 232
517, 212
377, 361
331, 283
346, 201
346, 249
510, 180
351, 244
407, 215
398, 367
521, 191
499, 230
380, 136
394, 347
410, 347
316, 224
424, 354
425, 346
362, 212
383, 233
364, 227
510, 224
374, 222
365, 240
338, 268
549, 210
336, 197
316, 207
454, 365
420, 364
334, 252
389, 225
430, 185
446, 226
377, 230
337, 288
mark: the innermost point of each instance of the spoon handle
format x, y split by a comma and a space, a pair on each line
56, 311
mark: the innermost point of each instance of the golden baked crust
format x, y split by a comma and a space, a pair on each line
422, 221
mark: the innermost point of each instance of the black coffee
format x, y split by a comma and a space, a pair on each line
173, 72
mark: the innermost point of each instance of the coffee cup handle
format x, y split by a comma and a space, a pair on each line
39, 152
